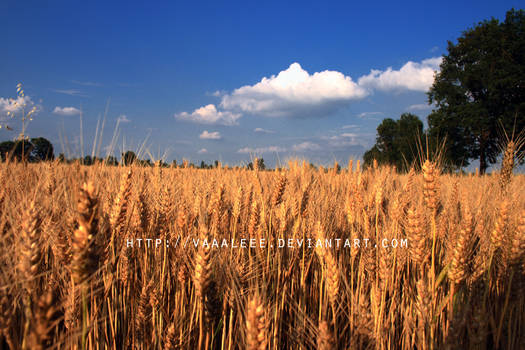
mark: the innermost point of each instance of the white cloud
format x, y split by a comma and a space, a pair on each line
215, 135
412, 76
295, 93
306, 146
260, 150
202, 151
123, 119
70, 92
218, 93
13, 105
68, 111
419, 107
263, 131
209, 115
366, 114
351, 126
344, 140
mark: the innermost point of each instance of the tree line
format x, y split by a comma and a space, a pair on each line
40, 149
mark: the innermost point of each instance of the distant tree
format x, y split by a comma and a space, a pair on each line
110, 160
260, 164
6, 149
129, 157
88, 160
18, 149
480, 88
42, 149
396, 142
62, 158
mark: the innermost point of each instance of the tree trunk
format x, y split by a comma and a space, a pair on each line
482, 159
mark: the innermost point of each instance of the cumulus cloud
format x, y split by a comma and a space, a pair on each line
306, 146
412, 76
209, 115
295, 93
263, 131
202, 151
14, 105
123, 119
261, 150
205, 135
67, 111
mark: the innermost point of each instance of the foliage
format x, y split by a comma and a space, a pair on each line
129, 157
18, 149
397, 142
260, 164
479, 89
42, 149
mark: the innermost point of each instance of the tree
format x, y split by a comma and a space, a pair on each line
396, 142
480, 87
110, 160
260, 164
129, 157
15, 149
88, 160
6, 149
42, 149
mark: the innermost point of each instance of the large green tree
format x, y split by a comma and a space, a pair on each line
479, 89
396, 142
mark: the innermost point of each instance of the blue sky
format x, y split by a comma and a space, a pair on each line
225, 80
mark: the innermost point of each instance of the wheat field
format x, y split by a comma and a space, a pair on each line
443, 267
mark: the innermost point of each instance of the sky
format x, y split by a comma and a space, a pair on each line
223, 81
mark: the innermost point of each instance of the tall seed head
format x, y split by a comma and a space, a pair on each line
461, 255
416, 236
497, 237
255, 325
85, 254
30, 252
118, 214
278, 193
517, 250
430, 186
507, 165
